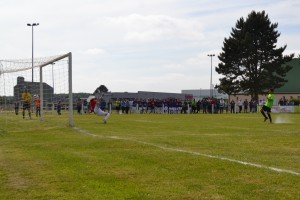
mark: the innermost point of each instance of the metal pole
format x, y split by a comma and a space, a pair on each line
41, 94
71, 121
210, 87
210, 76
53, 89
32, 53
32, 25
53, 77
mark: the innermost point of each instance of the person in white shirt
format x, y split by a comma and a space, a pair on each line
240, 106
95, 106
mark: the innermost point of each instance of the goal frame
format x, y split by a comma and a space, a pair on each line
40, 66
69, 56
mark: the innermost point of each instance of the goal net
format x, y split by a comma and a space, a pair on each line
47, 79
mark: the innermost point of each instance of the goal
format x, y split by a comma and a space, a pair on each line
47, 78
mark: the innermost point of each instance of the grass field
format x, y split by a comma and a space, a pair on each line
229, 156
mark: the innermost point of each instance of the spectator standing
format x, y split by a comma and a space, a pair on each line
254, 106
198, 106
232, 106
221, 105
240, 103
118, 106
17, 107
194, 106
127, 106
246, 103
79, 105
204, 105
59, 108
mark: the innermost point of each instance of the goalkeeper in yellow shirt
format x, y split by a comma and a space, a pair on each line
268, 106
26, 96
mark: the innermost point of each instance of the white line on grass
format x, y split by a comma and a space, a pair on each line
191, 152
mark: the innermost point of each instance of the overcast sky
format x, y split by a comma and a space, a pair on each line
137, 45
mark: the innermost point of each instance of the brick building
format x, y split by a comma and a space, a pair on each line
33, 88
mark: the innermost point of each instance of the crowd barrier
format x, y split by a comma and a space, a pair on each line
285, 109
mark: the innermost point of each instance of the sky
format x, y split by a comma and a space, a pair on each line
137, 45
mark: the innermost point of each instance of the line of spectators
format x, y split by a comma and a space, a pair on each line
170, 106
177, 106
289, 102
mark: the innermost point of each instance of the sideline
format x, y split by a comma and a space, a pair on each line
190, 152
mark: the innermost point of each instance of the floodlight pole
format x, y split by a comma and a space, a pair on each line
210, 87
32, 25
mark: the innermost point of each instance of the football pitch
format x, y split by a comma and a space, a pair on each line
150, 156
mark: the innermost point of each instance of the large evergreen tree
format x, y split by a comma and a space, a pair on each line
101, 89
250, 60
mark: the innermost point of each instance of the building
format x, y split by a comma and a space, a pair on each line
146, 95
204, 93
33, 88
290, 91
292, 88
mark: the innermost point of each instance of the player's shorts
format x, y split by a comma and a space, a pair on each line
266, 108
98, 111
26, 106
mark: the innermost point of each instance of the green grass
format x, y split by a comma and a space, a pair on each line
150, 157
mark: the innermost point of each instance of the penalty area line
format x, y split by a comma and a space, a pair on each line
191, 152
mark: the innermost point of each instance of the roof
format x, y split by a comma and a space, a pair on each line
293, 76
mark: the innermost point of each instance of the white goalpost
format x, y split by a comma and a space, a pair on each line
51, 83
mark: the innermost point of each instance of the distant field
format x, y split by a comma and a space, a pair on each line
150, 156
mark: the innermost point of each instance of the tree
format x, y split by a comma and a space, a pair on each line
250, 61
101, 89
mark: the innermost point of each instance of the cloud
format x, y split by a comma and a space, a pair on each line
154, 28
94, 51
137, 45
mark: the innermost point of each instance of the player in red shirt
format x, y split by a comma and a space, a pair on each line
95, 107
37, 102
93, 103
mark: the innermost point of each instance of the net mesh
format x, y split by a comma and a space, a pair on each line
48, 80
